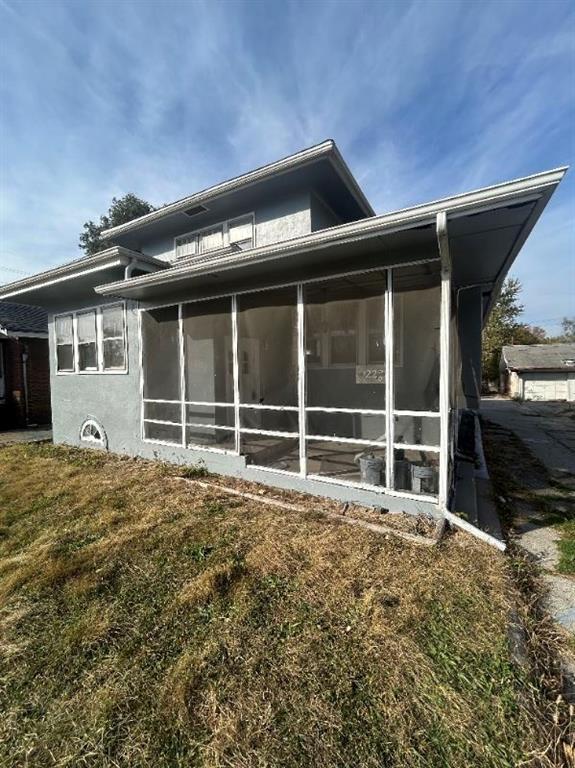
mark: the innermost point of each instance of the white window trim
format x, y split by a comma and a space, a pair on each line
225, 225
385, 489
100, 370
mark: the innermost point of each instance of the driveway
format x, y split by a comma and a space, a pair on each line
548, 429
32, 435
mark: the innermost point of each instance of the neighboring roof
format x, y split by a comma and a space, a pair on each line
21, 319
115, 256
511, 208
539, 357
326, 149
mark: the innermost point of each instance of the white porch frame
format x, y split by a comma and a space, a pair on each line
388, 443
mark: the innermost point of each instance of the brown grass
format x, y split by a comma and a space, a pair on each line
147, 622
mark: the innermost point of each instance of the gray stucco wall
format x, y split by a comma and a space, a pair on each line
322, 216
114, 401
275, 221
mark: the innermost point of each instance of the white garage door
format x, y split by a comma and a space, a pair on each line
545, 386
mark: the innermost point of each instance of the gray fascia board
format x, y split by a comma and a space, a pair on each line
327, 149
530, 187
111, 257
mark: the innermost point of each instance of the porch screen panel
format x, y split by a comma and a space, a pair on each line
416, 365
209, 376
416, 299
345, 377
161, 372
268, 378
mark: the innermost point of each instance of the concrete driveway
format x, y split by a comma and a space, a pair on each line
32, 435
548, 429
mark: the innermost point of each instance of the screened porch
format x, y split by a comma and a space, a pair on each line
333, 379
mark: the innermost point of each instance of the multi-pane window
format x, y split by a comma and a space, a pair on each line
91, 341
233, 232
65, 343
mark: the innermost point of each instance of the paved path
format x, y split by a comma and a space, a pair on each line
33, 435
548, 429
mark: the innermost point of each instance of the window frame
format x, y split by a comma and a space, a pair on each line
100, 369
225, 226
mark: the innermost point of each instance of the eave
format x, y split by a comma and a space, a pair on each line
111, 257
326, 150
533, 192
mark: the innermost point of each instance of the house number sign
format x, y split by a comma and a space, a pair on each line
369, 374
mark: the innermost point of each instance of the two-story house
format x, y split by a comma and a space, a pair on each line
276, 329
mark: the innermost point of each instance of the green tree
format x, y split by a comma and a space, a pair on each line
502, 328
568, 327
121, 210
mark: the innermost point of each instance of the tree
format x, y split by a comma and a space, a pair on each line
568, 327
120, 211
502, 328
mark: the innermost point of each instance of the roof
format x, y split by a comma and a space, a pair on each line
506, 212
21, 319
539, 357
326, 150
111, 257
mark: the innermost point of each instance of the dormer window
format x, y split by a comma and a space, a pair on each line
238, 233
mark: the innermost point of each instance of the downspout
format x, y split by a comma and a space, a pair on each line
444, 356
136, 264
25, 383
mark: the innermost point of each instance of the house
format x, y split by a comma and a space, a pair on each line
24, 366
276, 329
538, 371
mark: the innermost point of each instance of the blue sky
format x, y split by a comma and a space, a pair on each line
424, 99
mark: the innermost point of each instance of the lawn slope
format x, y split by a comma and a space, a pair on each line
148, 622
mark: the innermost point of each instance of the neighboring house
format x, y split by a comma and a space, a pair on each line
24, 366
276, 329
538, 371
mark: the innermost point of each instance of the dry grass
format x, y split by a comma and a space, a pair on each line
147, 622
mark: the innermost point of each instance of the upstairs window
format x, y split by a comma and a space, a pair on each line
91, 341
233, 232
65, 343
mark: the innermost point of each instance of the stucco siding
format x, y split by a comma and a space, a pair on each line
114, 401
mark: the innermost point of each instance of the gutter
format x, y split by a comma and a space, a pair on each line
111, 257
327, 149
528, 188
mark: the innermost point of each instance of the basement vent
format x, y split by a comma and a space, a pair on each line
195, 210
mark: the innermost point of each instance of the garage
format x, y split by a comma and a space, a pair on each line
539, 371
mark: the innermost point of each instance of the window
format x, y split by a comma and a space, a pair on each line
212, 239
233, 232
92, 432
92, 341
87, 343
113, 338
65, 343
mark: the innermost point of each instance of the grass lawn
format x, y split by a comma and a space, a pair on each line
148, 622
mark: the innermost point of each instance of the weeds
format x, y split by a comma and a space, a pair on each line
146, 622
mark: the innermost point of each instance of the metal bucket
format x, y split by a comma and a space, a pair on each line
370, 469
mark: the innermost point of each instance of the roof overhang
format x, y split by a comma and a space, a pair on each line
486, 229
329, 174
47, 288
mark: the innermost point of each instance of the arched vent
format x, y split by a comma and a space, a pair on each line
92, 432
